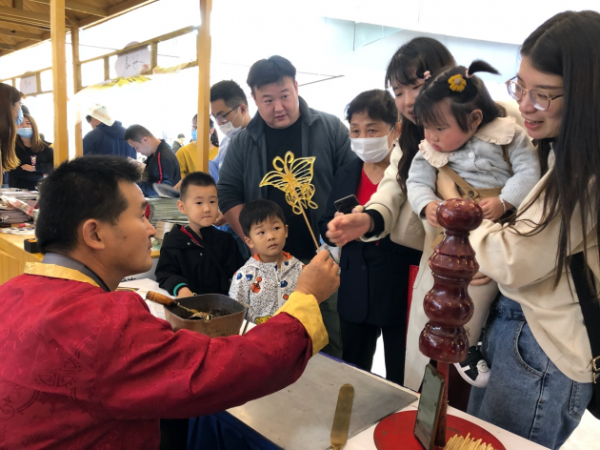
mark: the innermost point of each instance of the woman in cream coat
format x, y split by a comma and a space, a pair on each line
399, 221
536, 343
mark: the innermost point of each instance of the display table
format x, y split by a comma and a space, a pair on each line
13, 256
223, 431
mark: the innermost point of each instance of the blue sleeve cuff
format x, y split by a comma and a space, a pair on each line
179, 286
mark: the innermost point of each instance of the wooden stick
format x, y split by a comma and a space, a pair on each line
160, 298
298, 201
309, 227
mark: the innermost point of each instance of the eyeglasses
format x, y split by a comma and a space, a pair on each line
539, 99
222, 118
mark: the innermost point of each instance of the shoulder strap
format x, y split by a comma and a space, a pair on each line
465, 188
590, 306
507, 159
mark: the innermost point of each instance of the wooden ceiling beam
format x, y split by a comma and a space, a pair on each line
16, 22
20, 34
29, 18
79, 7
23, 16
7, 47
114, 11
26, 44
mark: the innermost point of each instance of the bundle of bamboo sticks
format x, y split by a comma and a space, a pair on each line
457, 442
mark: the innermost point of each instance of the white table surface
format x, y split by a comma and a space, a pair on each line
363, 440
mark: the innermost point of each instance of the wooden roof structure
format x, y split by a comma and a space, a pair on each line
24, 23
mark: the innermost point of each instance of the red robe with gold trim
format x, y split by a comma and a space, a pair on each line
81, 368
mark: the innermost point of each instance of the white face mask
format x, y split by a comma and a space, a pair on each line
228, 129
370, 150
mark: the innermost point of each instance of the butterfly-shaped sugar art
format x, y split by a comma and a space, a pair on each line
293, 176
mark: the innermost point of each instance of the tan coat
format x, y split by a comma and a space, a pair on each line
524, 268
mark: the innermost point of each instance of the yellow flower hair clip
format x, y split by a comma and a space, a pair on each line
457, 83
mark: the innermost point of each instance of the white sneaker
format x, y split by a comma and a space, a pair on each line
474, 370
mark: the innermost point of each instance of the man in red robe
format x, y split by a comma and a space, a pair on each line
83, 366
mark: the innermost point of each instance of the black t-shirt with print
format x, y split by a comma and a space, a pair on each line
279, 141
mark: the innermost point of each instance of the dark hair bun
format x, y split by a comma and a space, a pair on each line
481, 66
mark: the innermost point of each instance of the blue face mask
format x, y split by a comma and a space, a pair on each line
19, 119
25, 132
195, 135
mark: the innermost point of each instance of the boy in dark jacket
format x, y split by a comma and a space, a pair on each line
161, 163
198, 259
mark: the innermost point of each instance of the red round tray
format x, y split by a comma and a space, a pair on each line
396, 432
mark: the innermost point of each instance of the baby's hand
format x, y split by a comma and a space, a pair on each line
492, 208
431, 214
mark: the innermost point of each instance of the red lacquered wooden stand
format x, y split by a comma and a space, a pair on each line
448, 307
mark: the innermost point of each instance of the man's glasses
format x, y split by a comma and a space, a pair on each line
539, 99
222, 118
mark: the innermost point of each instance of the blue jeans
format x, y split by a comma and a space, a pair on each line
526, 395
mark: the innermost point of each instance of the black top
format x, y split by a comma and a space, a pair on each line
44, 164
374, 275
206, 268
161, 167
279, 141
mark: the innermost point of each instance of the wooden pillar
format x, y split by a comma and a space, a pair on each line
203, 49
106, 69
76, 89
38, 83
153, 56
59, 80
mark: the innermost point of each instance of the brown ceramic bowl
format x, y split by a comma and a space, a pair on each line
228, 315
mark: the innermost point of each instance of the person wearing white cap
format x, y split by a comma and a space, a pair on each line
107, 136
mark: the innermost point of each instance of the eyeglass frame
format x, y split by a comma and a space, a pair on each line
524, 90
221, 118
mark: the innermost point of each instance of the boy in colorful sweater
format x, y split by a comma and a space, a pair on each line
269, 277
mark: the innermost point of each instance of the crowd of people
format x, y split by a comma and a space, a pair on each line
432, 134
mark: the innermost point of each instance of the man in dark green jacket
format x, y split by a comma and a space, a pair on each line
285, 123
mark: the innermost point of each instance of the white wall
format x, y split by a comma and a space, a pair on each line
339, 47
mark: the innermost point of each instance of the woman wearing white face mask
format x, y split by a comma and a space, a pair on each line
36, 157
372, 298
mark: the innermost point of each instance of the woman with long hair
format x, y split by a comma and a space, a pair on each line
536, 343
389, 212
10, 108
36, 157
